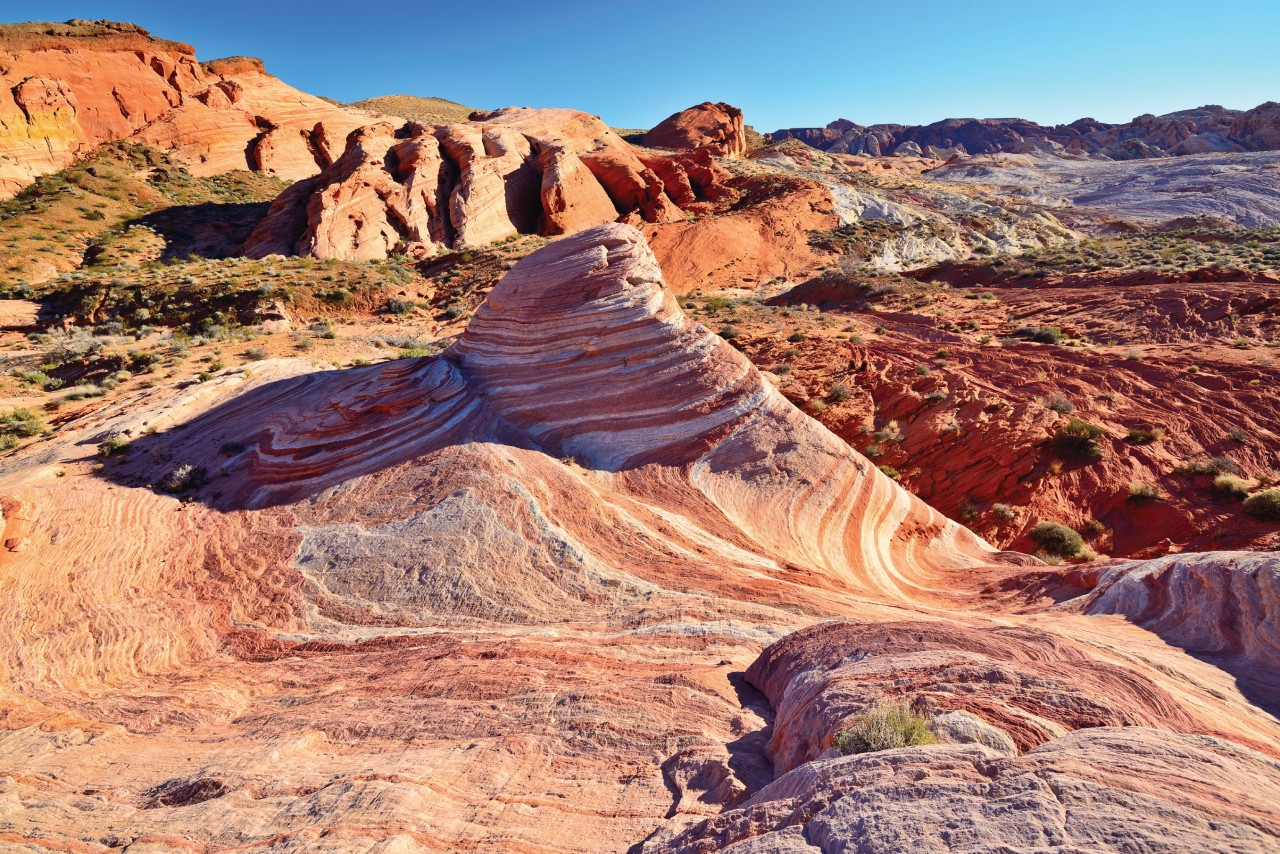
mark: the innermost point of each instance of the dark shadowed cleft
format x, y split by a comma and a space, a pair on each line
184, 792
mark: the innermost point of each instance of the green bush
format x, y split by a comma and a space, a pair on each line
1264, 505
1079, 438
1041, 335
1144, 492
1057, 540
839, 393
1231, 484
885, 726
113, 446
1140, 436
18, 424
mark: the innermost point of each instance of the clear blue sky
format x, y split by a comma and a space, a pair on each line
786, 63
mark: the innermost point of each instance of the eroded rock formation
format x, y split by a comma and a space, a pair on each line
65, 88
509, 597
419, 189
718, 128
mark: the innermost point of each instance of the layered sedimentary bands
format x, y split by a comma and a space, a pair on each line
1203, 130
585, 581
418, 189
65, 88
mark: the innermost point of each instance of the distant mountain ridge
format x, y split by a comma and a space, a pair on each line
1201, 130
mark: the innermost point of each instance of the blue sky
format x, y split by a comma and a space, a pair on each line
785, 63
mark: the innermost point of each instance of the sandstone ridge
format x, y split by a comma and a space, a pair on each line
66, 88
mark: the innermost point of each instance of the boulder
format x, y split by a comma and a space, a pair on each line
716, 127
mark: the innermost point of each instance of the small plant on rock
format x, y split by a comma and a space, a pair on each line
1264, 505
1079, 438
1140, 436
113, 446
1059, 402
18, 424
1057, 540
183, 478
1144, 492
885, 726
1231, 485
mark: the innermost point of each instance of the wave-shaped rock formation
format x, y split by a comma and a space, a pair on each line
1203, 130
510, 597
418, 189
66, 88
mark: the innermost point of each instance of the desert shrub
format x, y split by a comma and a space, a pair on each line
1264, 505
1239, 437
113, 446
1210, 465
873, 451
1059, 402
716, 304
782, 370
1041, 334
1057, 540
39, 378
797, 337
889, 433
891, 472
142, 360
183, 478
1139, 436
18, 424
1079, 438
255, 354
839, 393
885, 726
729, 332
1231, 484
923, 370
1144, 492
398, 306
1003, 512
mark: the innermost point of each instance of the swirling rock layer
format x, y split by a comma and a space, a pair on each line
508, 598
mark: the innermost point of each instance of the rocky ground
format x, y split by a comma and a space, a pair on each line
432, 603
